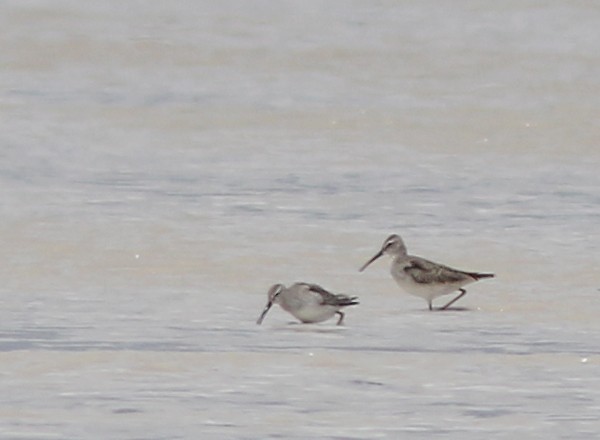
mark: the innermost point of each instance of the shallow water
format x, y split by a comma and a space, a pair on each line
162, 165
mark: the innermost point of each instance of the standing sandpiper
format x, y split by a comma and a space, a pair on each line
307, 302
422, 277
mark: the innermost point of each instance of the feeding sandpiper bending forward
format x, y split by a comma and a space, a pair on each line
307, 302
422, 277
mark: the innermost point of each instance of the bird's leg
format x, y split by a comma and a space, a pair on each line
430, 305
341, 317
460, 295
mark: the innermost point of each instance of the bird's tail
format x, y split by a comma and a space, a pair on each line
345, 300
479, 276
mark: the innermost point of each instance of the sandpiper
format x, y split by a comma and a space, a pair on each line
307, 302
422, 277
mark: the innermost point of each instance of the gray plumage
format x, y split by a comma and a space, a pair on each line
307, 302
424, 278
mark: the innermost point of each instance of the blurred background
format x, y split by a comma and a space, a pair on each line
162, 164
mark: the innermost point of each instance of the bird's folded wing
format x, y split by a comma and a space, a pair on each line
426, 272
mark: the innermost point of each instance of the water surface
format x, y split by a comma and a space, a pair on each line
161, 165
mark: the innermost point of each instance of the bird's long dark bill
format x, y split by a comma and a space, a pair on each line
377, 255
264, 313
